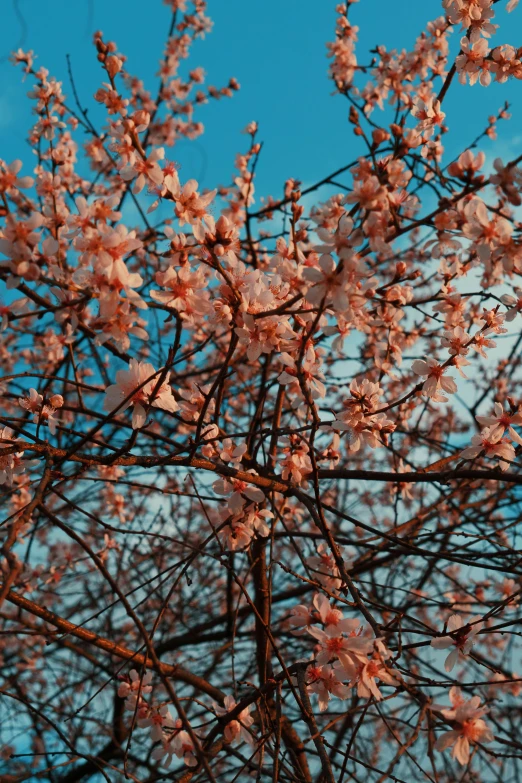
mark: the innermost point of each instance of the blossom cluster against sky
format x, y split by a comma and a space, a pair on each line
277, 52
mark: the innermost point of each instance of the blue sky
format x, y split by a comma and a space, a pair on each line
275, 48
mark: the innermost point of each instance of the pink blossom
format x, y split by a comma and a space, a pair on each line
331, 617
490, 443
470, 727
190, 206
366, 675
134, 687
185, 290
462, 638
146, 171
333, 645
436, 381
137, 387
471, 63
301, 618
501, 421
428, 113
514, 303
238, 492
175, 742
9, 177
325, 568
236, 730
326, 681
159, 720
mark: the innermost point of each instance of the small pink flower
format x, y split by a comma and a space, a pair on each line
136, 387
301, 618
236, 730
491, 443
349, 650
470, 728
462, 638
9, 178
429, 114
471, 63
147, 172
502, 421
331, 617
190, 206
326, 681
134, 687
435, 379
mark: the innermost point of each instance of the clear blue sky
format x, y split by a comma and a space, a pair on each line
275, 48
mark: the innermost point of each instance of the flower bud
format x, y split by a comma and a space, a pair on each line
113, 65
379, 135
56, 400
353, 116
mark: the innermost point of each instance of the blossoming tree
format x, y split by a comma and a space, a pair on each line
260, 464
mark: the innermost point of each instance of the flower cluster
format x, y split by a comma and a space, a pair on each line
345, 656
266, 446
